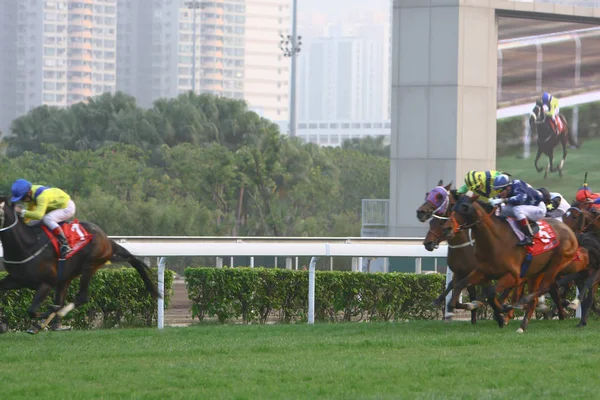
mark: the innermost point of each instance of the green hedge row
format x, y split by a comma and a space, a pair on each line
510, 130
255, 294
117, 298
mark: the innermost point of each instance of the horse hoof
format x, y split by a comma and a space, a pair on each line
448, 317
3, 327
33, 330
520, 330
573, 305
474, 305
61, 328
543, 308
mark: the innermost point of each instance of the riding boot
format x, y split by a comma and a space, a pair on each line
64, 245
526, 229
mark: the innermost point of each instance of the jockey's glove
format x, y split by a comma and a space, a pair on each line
21, 213
496, 202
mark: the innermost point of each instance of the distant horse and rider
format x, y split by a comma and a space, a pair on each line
45, 248
551, 128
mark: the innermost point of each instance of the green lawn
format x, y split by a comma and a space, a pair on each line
587, 158
414, 360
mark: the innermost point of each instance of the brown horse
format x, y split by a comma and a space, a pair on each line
586, 225
500, 258
461, 254
32, 263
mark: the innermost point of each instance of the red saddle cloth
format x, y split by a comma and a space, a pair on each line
544, 240
77, 236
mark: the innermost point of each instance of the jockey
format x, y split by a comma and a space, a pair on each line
556, 204
522, 203
480, 183
586, 199
46, 205
552, 103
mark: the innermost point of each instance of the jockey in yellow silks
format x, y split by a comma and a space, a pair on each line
480, 183
47, 205
553, 109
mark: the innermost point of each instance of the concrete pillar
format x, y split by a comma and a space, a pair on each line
219, 262
443, 100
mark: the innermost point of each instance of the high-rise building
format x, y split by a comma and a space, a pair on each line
345, 79
64, 52
236, 53
8, 63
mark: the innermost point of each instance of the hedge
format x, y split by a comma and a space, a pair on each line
255, 294
117, 297
510, 130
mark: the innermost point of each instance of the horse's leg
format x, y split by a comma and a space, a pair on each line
586, 305
59, 302
563, 142
504, 285
537, 158
82, 296
437, 302
473, 278
532, 304
8, 283
40, 295
472, 290
556, 297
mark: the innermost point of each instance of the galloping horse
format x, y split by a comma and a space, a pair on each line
461, 254
32, 262
547, 138
586, 225
500, 258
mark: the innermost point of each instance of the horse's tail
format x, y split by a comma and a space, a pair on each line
569, 133
121, 254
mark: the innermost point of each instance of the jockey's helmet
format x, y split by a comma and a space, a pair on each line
19, 189
502, 181
546, 98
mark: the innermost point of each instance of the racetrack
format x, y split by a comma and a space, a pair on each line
414, 360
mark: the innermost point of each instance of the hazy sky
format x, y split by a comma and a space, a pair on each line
340, 11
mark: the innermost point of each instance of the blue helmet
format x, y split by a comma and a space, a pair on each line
502, 181
546, 98
19, 189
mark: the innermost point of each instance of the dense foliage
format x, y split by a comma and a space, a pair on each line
194, 165
118, 297
254, 294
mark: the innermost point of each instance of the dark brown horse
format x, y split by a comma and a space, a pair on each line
586, 225
501, 259
547, 138
461, 254
31, 262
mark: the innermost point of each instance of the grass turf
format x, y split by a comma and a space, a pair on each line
416, 360
578, 162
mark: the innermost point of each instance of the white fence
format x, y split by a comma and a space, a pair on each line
289, 247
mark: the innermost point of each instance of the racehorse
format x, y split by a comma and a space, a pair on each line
587, 227
461, 253
32, 262
500, 258
547, 138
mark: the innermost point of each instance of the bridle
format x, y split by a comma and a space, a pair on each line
2, 227
6, 228
456, 227
439, 237
567, 213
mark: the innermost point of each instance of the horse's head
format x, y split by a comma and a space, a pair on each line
575, 219
435, 234
537, 114
464, 215
437, 201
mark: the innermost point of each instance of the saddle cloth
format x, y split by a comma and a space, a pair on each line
544, 239
77, 236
